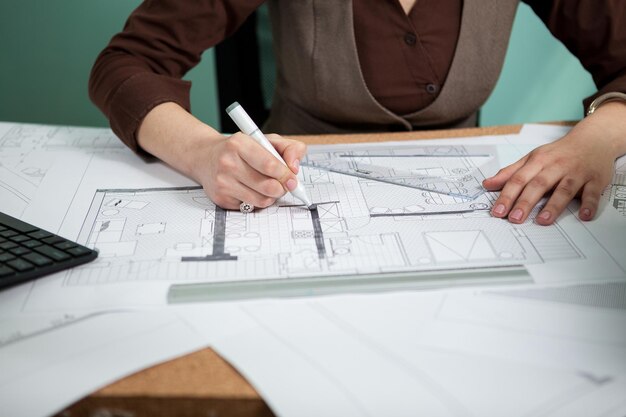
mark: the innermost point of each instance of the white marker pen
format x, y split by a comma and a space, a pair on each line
248, 127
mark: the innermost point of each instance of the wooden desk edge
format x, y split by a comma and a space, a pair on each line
203, 379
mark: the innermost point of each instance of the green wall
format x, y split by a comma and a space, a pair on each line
48, 47
541, 80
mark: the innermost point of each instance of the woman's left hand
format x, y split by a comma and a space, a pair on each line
579, 164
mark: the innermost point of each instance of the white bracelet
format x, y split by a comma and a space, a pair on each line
603, 99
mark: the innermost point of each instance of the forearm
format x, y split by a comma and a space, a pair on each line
173, 135
230, 169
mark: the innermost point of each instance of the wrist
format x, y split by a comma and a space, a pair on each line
605, 98
174, 136
608, 124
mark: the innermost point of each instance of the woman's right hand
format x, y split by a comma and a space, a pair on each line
230, 169
236, 168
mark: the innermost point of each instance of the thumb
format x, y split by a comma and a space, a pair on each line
291, 150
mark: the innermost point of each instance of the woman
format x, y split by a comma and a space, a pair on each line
363, 65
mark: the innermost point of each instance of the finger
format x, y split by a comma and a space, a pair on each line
262, 184
262, 160
497, 181
590, 200
225, 202
291, 150
563, 193
534, 191
513, 187
242, 192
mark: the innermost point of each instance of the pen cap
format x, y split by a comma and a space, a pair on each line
241, 118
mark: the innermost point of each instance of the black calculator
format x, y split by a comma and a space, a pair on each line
28, 252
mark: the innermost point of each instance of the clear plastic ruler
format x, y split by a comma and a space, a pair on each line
467, 184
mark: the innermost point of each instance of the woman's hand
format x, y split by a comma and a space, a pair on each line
231, 169
235, 169
579, 164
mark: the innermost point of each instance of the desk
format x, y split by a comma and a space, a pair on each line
202, 383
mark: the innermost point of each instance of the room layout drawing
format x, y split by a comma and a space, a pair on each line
360, 226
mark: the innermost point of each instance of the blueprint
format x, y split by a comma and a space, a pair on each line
359, 226
447, 170
30, 153
154, 227
40, 164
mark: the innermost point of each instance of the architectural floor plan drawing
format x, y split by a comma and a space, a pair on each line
360, 226
28, 153
615, 193
446, 170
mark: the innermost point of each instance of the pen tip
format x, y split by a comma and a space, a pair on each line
312, 206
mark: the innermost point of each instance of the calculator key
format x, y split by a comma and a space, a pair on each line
39, 234
6, 257
19, 251
2, 239
37, 259
16, 224
5, 271
7, 245
19, 238
53, 253
20, 265
8, 233
52, 240
31, 243
79, 251
65, 245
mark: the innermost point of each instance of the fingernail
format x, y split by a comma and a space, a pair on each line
516, 214
499, 209
291, 184
544, 215
586, 213
296, 165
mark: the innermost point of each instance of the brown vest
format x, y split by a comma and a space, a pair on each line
320, 87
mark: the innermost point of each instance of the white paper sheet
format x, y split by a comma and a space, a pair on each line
62, 366
408, 354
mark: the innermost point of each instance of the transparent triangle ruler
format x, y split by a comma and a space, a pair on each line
466, 186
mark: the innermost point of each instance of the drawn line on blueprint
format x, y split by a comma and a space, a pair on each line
426, 214
302, 205
415, 155
67, 322
317, 233
219, 241
15, 192
82, 178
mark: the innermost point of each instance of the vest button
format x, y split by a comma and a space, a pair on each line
410, 38
432, 88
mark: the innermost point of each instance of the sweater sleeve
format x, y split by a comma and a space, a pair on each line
142, 66
595, 32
